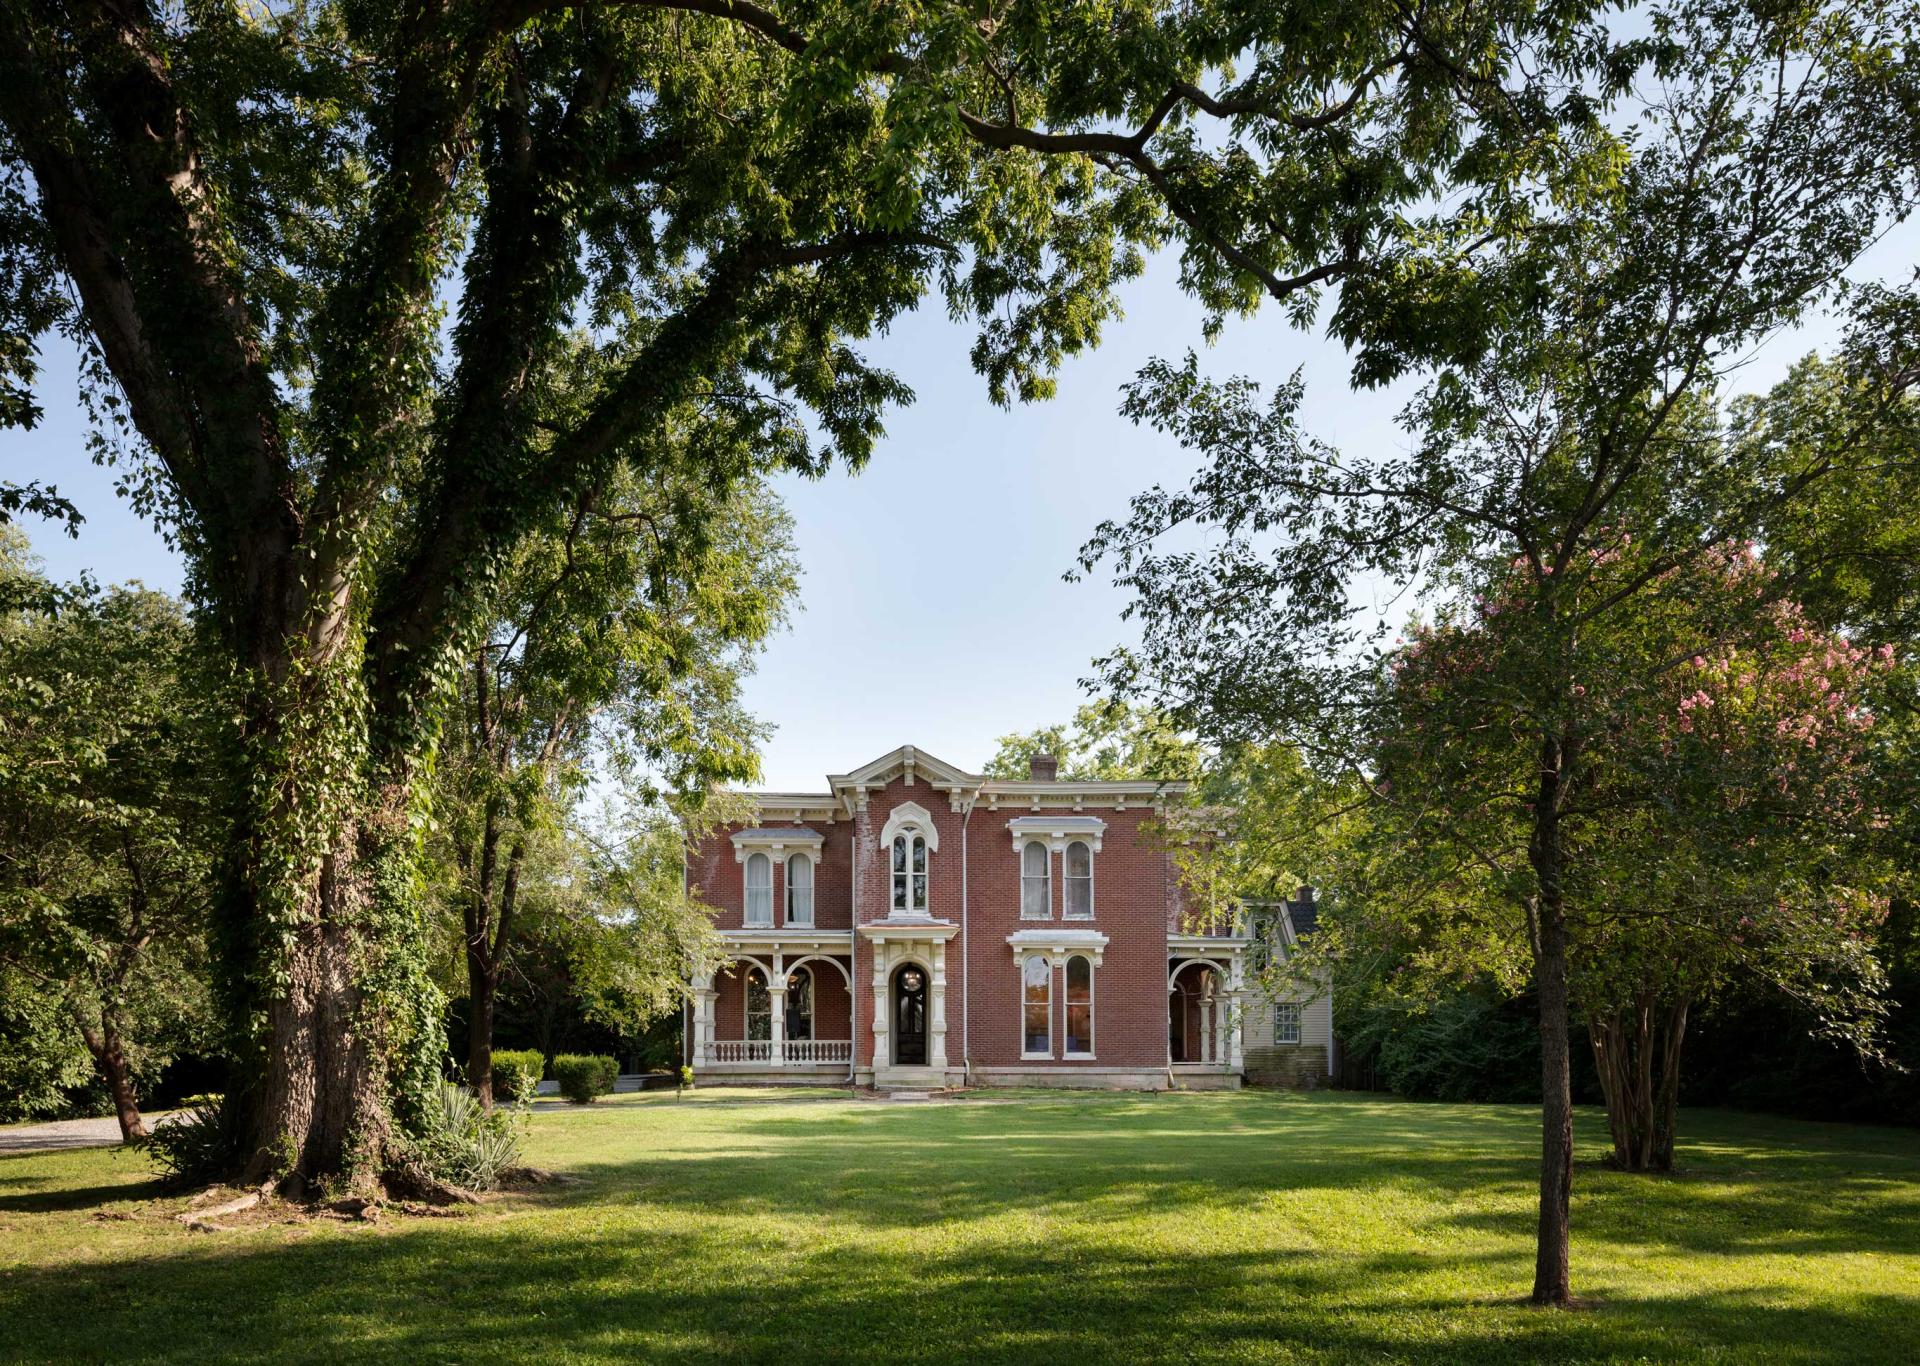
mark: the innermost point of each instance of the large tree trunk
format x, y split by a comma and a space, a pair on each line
1636, 1049
339, 1011
110, 1056
1551, 1272
320, 1109
481, 987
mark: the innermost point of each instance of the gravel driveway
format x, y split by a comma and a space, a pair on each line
67, 1133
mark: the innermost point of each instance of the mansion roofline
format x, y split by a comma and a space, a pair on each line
847, 792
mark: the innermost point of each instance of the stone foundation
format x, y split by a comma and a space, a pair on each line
1296, 1067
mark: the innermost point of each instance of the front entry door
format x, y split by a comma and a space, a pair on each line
910, 1018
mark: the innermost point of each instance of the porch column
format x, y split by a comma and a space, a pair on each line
1236, 1022
777, 998
703, 995
881, 1056
937, 1048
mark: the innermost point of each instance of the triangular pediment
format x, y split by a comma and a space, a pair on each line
910, 762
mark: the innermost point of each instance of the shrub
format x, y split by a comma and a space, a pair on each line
464, 1144
194, 1147
582, 1076
686, 1077
516, 1074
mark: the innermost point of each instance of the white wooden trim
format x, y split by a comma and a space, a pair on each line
774, 842
1059, 941
1057, 830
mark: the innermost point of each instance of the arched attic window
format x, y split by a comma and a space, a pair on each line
910, 838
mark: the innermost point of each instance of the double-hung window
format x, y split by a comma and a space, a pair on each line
1036, 890
909, 872
1079, 1007
1079, 881
759, 889
799, 890
1036, 1008
1286, 1022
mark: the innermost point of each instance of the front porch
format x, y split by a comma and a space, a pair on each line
1206, 1025
779, 1012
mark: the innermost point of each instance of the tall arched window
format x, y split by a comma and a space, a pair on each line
799, 890
1079, 881
1036, 896
800, 1003
1079, 1007
1036, 1008
759, 890
759, 1006
909, 872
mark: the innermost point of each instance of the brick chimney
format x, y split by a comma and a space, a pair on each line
1044, 768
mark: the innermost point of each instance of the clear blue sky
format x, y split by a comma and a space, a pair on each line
933, 609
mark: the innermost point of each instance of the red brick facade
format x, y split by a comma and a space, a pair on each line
975, 831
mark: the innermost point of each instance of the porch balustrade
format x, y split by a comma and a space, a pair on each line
743, 1050
793, 1052
820, 1050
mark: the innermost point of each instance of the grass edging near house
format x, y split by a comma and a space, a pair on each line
1246, 1226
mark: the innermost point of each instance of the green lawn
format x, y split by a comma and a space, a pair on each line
1250, 1226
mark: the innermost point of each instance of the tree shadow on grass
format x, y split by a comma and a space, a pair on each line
77, 1197
886, 1168
624, 1288
29, 1185
1111, 1230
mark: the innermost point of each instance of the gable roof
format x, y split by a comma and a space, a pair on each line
847, 792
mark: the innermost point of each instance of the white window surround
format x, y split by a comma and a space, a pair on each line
908, 842
776, 842
758, 910
1058, 943
1057, 830
800, 870
1036, 885
1077, 882
1286, 1022
914, 818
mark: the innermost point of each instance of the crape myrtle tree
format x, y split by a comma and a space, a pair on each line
326, 264
624, 630
1722, 823
108, 829
1763, 150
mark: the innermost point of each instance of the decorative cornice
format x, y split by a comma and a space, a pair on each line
1057, 830
914, 765
1076, 796
849, 791
1057, 942
909, 931
774, 840
1207, 943
779, 940
799, 806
